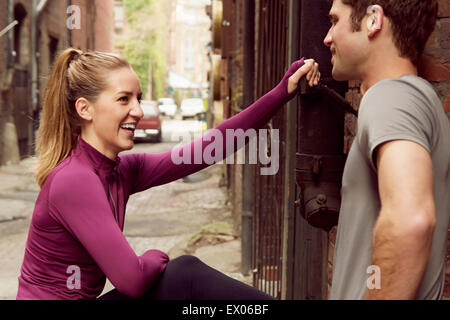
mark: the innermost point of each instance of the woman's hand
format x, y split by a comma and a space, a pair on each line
311, 69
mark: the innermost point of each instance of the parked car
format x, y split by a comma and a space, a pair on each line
149, 127
167, 107
192, 108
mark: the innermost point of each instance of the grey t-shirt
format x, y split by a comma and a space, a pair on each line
405, 108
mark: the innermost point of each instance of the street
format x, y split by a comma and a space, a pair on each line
188, 216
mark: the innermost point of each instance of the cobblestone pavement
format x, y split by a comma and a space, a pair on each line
163, 218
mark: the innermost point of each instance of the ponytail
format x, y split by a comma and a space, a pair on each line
55, 138
75, 74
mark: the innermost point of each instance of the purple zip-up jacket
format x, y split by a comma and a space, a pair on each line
75, 238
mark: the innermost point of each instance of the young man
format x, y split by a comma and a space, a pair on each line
392, 233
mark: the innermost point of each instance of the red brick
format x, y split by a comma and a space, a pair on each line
350, 125
332, 235
348, 141
433, 42
330, 273
447, 103
444, 9
447, 260
444, 33
440, 37
354, 97
104, 25
354, 84
435, 66
330, 252
447, 286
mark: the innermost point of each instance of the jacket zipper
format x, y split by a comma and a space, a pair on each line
113, 203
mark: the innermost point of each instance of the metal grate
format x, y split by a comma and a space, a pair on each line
268, 219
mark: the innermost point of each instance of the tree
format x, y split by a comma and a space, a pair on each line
144, 46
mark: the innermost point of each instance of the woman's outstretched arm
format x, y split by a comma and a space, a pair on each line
148, 170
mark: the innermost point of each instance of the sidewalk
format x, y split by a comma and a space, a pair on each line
188, 216
18, 190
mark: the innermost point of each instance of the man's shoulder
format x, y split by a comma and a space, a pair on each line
408, 94
407, 88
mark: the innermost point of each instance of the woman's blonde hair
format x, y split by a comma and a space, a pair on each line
75, 74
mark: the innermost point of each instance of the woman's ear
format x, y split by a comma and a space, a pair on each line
375, 19
83, 108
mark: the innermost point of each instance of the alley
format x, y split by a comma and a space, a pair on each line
169, 217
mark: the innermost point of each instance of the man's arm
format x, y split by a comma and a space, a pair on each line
404, 230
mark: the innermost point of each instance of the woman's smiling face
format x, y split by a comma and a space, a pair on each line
115, 114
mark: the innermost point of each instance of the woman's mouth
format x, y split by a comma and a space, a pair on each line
128, 128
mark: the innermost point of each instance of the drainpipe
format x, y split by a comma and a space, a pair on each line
36, 11
34, 77
11, 23
248, 174
69, 31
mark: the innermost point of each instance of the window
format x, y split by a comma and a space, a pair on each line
19, 14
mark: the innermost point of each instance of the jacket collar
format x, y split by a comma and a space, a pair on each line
101, 163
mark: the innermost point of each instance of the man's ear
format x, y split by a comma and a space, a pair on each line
83, 108
375, 19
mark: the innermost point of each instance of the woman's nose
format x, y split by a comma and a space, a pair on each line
136, 111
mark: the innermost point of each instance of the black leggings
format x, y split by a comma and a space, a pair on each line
188, 278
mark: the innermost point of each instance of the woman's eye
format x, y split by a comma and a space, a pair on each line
123, 99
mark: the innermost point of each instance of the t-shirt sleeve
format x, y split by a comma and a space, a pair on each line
148, 170
394, 110
78, 201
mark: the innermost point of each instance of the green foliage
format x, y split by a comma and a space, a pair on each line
144, 46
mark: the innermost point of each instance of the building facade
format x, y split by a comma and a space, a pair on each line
44, 28
187, 39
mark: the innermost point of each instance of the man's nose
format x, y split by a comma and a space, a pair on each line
327, 41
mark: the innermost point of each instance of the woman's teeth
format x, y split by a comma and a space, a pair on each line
131, 127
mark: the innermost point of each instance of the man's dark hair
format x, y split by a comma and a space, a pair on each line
412, 22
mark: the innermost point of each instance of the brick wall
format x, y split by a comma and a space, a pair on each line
52, 26
435, 67
83, 38
97, 27
104, 25
97, 24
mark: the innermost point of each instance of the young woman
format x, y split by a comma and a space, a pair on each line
90, 110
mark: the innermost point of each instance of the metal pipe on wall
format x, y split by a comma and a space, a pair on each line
11, 57
37, 9
69, 31
248, 170
34, 74
287, 273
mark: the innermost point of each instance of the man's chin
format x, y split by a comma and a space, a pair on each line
341, 76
